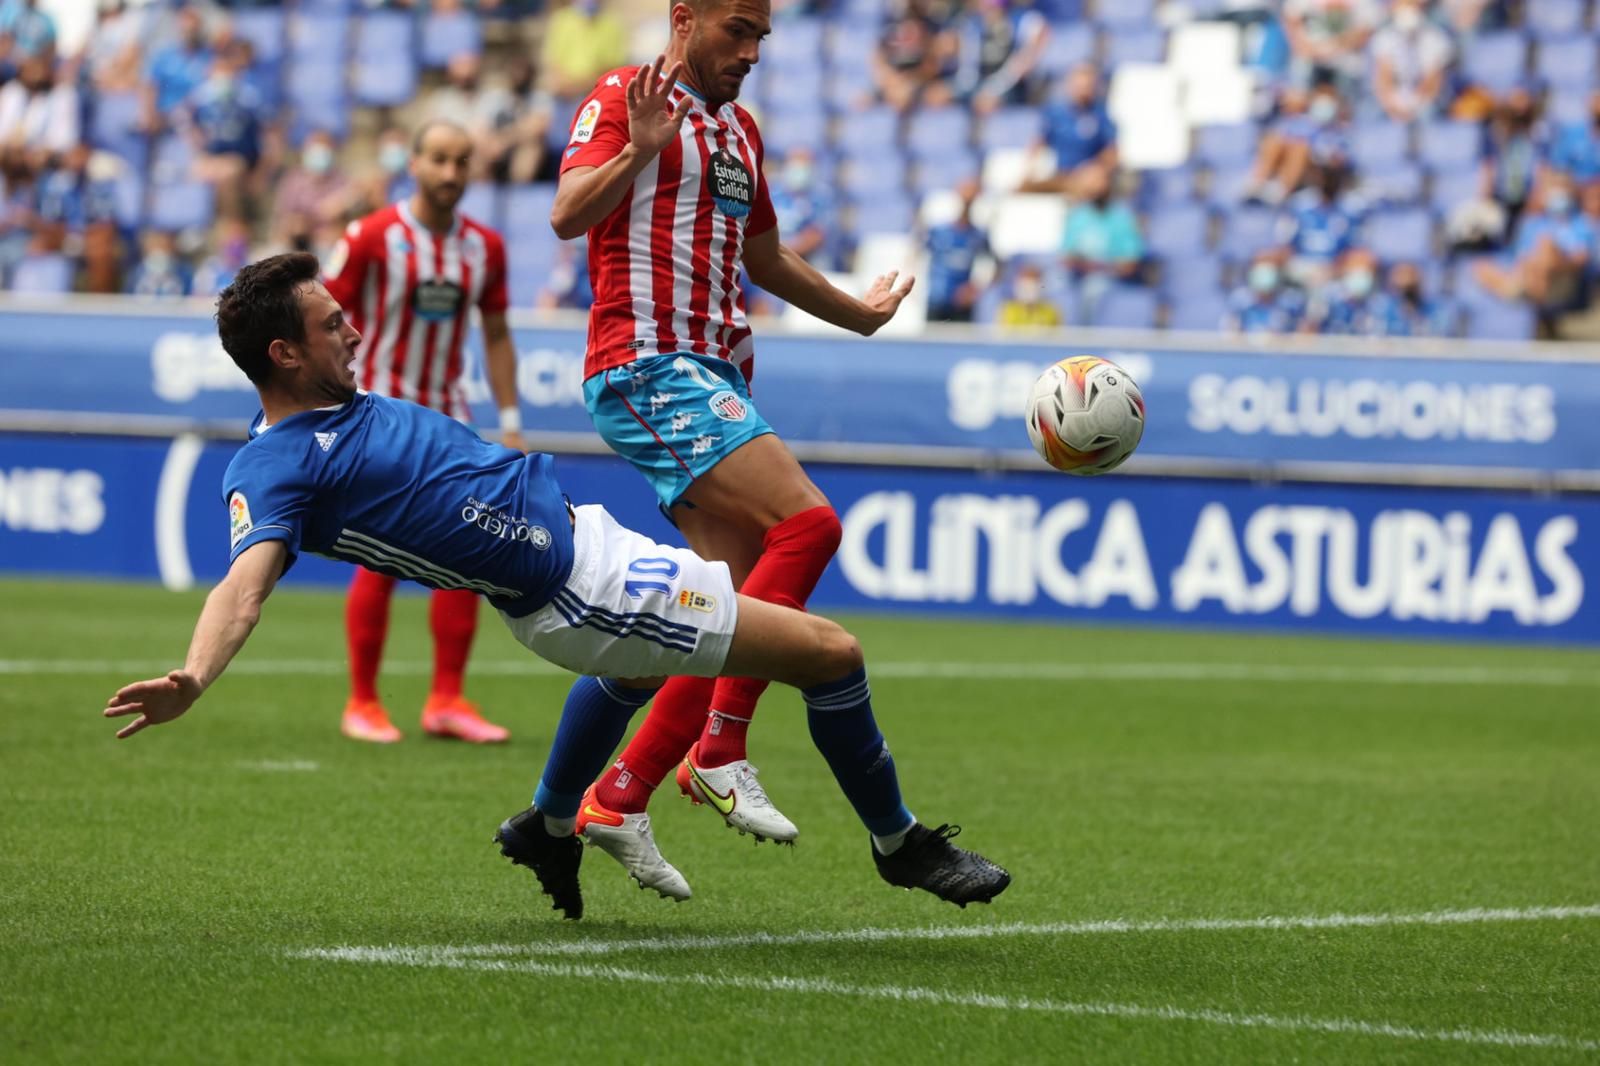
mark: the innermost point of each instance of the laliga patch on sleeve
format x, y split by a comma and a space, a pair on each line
238, 518
337, 259
588, 118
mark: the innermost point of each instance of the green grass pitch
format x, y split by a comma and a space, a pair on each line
174, 897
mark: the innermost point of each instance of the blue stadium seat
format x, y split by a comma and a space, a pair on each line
1061, 11
1568, 62
868, 131
882, 173
328, 110
319, 40
884, 214
1200, 312
43, 273
527, 207
1566, 104
113, 126
1504, 321
1125, 307
1126, 13
1067, 47
171, 159
848, 89
939, 173
849, 48
481, 202
181, 205
328, 6
796, 45
1135, 46
1170, 185
931, 132
1453, 188
1395, 183
1011, 127
805, 128
1496, 60
450, 33
1396, 235
1378, 143
1226, 146
1248, 230
129, 190
384, 71
1552, 20
1178, 231
1449, 145
266, 29
1189, 274
1228, 185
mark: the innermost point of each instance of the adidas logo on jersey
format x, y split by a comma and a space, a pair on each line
325, 440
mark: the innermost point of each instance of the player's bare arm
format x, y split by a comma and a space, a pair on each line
230, 614
781, 271
586, 195
500, 355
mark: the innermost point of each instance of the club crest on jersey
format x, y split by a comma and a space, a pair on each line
728, 407
697, 601
732, 188
588, 119
238, 518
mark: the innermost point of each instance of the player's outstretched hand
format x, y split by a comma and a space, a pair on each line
652, 125
161, 699
883, 299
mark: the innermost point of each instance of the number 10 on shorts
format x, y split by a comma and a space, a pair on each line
658, 573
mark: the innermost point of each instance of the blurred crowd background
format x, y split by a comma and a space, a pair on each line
1364, 167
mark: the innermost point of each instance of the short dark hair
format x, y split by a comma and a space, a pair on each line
428, 126
263, 305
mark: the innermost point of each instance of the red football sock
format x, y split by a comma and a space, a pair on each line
366, 625
795, 552
453, 617
660, 744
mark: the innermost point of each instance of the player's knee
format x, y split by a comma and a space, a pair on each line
841, 651
829, 530
814, 530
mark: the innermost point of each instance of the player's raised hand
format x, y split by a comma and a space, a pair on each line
652, 123
158, 700
883, 299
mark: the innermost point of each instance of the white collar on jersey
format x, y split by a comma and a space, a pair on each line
264, 425
411, 220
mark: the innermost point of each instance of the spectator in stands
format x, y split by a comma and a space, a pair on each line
1513, 143
1408, 310
38, 117
1353, 304
176, 70
1467, 17
230, 252
1265, 303
1028, 306
1078, 130
112, 53
805, 210
582, 41
567, 286
955, 249
225, 117
1409, 59
160, 271
314, 193
1549, 255
16, 213
1102, 236
914, 57
1320, 224
998, 47
1577, 145
76, 195
44, 269
1311, 127
464, 100
515, 145
25, 32
1328, 41
392, 180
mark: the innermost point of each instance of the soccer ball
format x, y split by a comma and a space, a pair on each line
1085, 415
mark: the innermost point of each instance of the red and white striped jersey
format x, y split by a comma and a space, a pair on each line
665, 264
410, 292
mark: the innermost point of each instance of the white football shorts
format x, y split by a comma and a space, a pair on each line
632, 607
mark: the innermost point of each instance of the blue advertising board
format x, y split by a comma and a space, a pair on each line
1245, 406
1444, 562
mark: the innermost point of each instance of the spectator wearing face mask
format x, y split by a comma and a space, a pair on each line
1353, 304
1320, 225
160, 272
1577, 145
1549, 253
1078, 130
1028, 306
1408, 310
316, 192
1102, 236
393, 181
955, 249
1264, 303
1513, 143
225, 118
1409, 58
1310, 127
1328, 40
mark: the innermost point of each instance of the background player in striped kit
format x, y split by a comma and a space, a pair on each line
408, 276
663, 171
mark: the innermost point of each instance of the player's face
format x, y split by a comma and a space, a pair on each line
441, 167
329, 350
725, 44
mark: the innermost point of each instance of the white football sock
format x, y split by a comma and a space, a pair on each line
560, 827
890, 844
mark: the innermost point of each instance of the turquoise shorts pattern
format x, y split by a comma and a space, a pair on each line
673, 417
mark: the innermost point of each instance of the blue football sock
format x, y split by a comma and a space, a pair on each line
593, 721
843, 729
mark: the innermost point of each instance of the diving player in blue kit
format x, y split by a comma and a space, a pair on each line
410, 492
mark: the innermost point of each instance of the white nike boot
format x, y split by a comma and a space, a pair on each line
733, 792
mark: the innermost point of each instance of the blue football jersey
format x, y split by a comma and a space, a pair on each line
407, 492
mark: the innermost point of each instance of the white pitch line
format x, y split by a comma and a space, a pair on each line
280, 766
941, 997
1553, 677
1473, 916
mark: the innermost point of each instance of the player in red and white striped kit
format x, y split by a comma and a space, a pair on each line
663, 171
408, 277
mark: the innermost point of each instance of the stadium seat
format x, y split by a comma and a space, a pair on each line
1027, 225
1061, 11
43, 274
1190, 274
171, 159
1178, 231
1246, 231
1447, 145
944, 172
180, 205
932, 132
1504, 321
1226, 146
879, 174
1566, 104
1228, 186
129, 189
328, 109
450, 33
481, 202
1553, 20
1125, 307
1068, 46
1378, 143
1126, 13
1497, 60
796, 46
868, 131
1451, 189
1012, 127
849, 48
384, 71
1135, 46
1166, 186
114, 127
1568, 62
525, 205
785, 130
267, 31
319, 39
1396, 183
883, 213
1396, 235
849, 90
1199, 312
